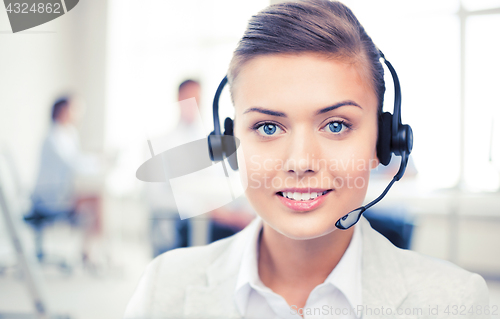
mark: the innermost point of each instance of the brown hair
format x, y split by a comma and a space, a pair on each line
318, 26
187, 82
59, 105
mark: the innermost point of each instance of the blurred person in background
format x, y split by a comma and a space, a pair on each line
62, 161
168, 230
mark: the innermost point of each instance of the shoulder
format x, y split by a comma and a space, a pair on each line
426, 280
191, 260
440, 280
442, 276
180, 275
442, 286
167, 276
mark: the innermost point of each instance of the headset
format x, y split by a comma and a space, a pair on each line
393, 137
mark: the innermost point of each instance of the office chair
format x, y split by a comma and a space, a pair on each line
11, 182
9, 191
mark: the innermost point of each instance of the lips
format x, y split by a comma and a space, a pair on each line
302, 199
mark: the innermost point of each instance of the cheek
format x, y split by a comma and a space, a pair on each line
257, 176
260, 166
250, 163
261, 170
259, 158
350, 164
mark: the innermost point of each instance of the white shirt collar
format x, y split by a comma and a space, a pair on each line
347, 271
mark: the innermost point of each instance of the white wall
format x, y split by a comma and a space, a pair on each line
150, 52
37, 65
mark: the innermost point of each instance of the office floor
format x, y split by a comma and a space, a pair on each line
100, 292
104, 292
84, 294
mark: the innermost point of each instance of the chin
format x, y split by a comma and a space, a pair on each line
303, 225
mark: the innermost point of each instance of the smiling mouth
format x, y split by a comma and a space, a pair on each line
302, 196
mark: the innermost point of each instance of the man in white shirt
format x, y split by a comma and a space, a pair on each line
168, 230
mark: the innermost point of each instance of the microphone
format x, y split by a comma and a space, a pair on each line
353, 217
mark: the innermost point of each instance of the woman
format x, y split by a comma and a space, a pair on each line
62, 162
307, 87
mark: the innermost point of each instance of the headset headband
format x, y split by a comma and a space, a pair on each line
216, 106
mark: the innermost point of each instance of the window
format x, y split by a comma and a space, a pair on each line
423, 41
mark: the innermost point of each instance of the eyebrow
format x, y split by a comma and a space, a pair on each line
337, 105
323, 110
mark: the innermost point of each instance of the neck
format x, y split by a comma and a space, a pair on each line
61, 124
285, 262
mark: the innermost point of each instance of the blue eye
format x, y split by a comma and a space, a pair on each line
337, 126
268, 129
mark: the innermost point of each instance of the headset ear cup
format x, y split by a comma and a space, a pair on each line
229, 144
228, 126
233, 161
384, 138
215, 146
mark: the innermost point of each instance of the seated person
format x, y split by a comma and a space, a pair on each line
61, 162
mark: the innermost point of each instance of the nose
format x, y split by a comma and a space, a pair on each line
302, 154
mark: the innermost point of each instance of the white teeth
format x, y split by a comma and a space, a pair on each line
302, 196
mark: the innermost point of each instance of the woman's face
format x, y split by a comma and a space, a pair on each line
308, 130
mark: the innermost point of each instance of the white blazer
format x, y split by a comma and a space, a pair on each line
199, 282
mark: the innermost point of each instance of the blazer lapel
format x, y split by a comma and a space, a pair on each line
382, 280
215, 299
